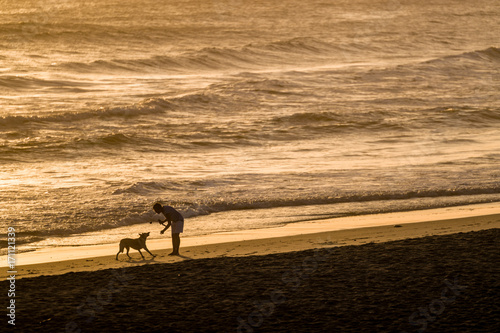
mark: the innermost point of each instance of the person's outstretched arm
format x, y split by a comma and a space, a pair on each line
166, 227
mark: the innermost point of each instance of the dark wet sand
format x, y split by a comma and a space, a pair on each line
434, 284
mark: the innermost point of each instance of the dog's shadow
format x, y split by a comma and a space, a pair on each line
150, 260
138, 261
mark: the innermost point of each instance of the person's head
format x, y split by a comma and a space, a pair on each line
157, 208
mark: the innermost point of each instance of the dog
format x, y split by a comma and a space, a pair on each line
138, 244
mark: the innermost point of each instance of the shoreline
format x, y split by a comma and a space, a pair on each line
355, 230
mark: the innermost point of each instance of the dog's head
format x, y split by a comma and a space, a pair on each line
144, 235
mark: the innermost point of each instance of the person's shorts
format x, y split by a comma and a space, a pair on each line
177, 227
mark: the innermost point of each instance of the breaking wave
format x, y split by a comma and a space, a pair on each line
486, 56
150, 106
370, 203
251, 56
20, 83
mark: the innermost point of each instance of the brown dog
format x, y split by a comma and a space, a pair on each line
138, 244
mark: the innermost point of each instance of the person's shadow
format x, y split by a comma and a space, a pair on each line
177, 255
184, 257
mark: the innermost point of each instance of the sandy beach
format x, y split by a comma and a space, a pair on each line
436, 276
354, 230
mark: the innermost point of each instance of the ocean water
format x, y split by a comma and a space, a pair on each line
242, 114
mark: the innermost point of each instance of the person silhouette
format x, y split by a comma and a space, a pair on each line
175, 220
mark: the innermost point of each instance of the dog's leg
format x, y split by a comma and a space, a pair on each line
145, 248
141, 253
128, 248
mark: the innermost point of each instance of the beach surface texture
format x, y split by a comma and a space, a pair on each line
433, 276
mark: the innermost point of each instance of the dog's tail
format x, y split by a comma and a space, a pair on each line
122, 247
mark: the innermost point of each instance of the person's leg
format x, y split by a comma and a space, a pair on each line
176, 241
173, 245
